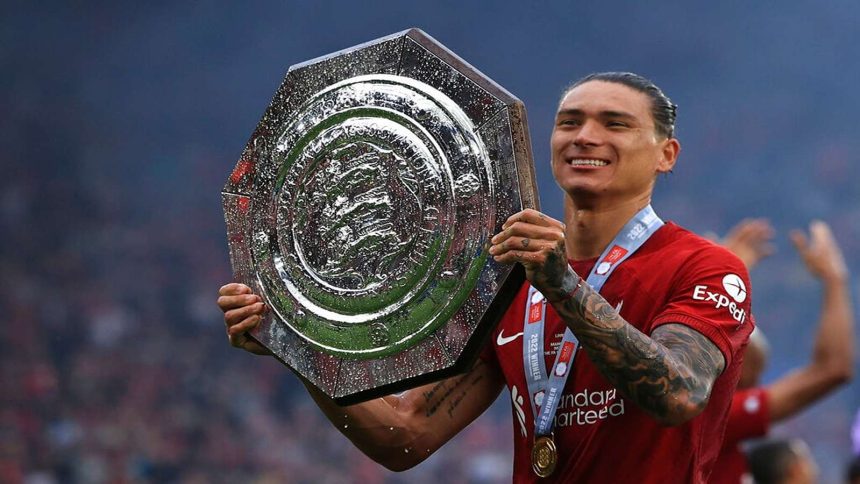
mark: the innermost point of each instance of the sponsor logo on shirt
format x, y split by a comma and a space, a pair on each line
588, 407
735, 287
737, 293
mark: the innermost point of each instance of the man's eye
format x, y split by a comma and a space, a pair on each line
569, 122
616, 124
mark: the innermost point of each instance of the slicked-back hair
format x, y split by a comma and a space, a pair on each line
662, 109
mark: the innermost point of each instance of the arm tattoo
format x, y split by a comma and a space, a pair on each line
451, 391
669, 375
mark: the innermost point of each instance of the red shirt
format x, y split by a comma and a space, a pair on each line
675, 277
749, 417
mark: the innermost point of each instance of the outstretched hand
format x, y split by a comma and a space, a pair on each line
243, 311
820, 252
750, 240
537, 242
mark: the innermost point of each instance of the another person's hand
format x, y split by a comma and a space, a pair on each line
750, 240
537, 242
243, 311
820, 252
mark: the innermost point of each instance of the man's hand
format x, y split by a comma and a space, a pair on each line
537, 242
750, 240
820, 252
243, 311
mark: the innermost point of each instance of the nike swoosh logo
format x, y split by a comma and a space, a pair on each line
503, 340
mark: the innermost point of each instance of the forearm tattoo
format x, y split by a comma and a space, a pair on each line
667, 374
449, 393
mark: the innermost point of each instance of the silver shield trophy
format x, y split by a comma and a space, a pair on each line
361, 212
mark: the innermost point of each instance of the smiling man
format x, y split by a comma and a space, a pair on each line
660, 314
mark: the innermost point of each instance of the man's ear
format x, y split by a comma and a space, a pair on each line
670, 149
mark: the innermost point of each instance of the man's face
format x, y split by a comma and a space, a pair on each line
604, 143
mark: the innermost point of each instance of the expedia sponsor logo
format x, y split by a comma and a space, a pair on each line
588, 407
735, 287
736, 293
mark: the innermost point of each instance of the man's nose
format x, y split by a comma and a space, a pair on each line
589, 134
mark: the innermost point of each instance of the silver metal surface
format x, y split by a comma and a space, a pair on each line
361, 211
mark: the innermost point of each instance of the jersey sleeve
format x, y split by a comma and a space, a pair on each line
711, 294
749, 415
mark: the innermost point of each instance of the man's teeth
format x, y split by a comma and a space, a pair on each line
588, 162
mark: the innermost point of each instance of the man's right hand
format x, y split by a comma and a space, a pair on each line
243, 311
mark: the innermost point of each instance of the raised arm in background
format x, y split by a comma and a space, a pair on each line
833, 350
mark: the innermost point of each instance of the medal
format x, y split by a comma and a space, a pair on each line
544, 456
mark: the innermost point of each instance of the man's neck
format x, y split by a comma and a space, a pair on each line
590, 228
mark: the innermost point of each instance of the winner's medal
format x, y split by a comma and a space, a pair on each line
544, 456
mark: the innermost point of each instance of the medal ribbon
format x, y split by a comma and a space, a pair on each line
637, 230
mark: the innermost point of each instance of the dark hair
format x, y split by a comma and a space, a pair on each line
769, 462
662, 109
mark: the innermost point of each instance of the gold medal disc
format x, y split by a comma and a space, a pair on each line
544, 456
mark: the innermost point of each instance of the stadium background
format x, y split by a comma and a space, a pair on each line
120, 121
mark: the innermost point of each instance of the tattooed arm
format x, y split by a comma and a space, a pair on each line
669, 374
397, 431
400, 431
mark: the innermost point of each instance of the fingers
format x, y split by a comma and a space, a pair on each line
242, 340
227, 303
233, 289
530, 216
820, 252
798, 238
235, 316
244, 325
243, 311
518, 240
821, 234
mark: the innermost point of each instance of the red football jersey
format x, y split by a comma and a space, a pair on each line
675, 277
749, 417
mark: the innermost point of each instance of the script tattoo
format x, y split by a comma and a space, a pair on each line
669, 375
451, 391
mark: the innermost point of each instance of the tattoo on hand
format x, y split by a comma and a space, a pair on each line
525, 243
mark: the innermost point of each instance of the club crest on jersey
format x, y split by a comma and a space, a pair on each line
615, 254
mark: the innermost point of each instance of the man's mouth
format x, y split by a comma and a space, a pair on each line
587, 162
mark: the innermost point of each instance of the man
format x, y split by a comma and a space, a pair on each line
783, 462
662, 340
755, 407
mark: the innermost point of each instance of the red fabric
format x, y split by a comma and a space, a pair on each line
601, 436
749, 417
